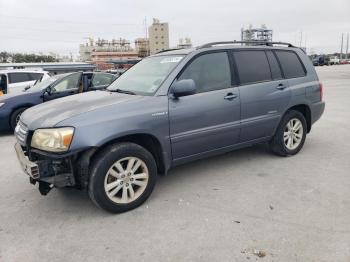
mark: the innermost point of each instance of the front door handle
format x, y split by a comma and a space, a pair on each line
230, 96
281, 86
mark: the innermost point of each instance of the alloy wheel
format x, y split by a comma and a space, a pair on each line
126, 180
293, 134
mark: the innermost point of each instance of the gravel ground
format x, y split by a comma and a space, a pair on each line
241, 206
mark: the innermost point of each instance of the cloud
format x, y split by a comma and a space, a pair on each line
60, 26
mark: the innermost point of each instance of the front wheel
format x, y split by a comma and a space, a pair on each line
122, 177
290, 135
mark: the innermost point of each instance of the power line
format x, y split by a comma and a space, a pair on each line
62, 31
66, 21
40, 39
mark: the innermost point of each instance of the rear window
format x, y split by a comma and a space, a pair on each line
291, 64
18, 77
252, 66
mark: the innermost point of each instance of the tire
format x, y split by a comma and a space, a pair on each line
15, 117
106, 172
280, 143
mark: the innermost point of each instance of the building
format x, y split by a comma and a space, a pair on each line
108, 60
142, 47
102, 45
158, 36
256, 34
106, 54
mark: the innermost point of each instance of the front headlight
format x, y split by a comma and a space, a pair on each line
53, 139
1, 104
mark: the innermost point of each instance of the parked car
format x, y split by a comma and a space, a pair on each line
169, 109
58, 86
14, 81
334, 60
344, 61
321, 60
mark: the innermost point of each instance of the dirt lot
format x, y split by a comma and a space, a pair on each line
226, 208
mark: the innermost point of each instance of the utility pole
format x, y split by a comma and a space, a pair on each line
347, 47
341, 46
146, 28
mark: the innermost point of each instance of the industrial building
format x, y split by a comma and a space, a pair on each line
256, 34
184, 43
105, 54
158, 36
107, 60
142, 47
118, 53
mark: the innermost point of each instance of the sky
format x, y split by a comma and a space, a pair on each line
60, 26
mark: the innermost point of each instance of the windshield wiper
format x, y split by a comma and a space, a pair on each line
123, 91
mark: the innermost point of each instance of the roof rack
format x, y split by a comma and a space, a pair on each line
170, 49
245, 42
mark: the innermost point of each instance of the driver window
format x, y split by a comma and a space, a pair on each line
209, 72
69, 82
102, 80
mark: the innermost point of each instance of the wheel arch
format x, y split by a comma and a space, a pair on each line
305, 110
148, 141
14, 109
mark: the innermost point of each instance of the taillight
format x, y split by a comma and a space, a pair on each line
321, 91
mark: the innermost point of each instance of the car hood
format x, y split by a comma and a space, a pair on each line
14, 96
51, 113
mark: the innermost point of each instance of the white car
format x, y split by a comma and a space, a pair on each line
14, 81
334, 60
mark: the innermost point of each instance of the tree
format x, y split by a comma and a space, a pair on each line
25, 58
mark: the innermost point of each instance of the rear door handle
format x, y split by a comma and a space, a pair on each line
230, 96
281, 86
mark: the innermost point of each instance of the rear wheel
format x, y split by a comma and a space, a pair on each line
290, 135
122, 177
15, 116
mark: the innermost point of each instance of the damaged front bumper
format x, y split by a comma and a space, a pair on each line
49, 172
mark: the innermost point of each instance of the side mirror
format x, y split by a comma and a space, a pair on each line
49, 90
184, 87
27, 87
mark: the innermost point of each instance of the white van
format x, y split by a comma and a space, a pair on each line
16, 80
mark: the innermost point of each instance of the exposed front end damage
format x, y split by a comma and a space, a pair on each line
55, 171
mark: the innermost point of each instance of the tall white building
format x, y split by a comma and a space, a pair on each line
158, 36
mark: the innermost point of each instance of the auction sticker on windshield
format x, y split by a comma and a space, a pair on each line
174, 59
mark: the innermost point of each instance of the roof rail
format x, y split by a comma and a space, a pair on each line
170, 49
267, 43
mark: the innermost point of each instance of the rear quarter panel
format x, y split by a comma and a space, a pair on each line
305, 90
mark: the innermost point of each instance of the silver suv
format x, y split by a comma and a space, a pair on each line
169, 109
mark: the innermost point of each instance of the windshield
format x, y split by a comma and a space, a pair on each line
145, 77
43, 84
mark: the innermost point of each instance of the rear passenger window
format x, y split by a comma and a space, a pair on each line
274, 66
18, 77
35, 76
209, 72
290, 63
252, 66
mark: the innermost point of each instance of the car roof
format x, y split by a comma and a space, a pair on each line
22, 71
